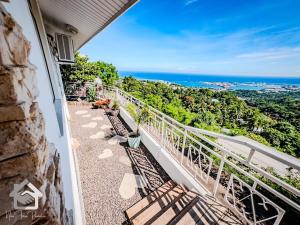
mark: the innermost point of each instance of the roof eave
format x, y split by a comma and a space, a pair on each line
126, 7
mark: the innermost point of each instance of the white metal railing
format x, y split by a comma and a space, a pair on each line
205, 160
251, 195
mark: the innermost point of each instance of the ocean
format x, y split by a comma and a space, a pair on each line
203, 81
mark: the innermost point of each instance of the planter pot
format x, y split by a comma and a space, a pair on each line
134, 140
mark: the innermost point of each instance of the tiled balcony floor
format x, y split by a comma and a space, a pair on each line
113, 176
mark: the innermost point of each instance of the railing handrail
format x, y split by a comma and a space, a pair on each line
288, 160
268, 151
259, 170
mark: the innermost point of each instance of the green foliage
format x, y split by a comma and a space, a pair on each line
115, 105
208, 127
84, 70
280, 106
212, 110
292, 178
108, 73
155, 101
91, 94
140, 116
258, 138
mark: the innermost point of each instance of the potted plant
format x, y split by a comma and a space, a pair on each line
115, 108
140, 116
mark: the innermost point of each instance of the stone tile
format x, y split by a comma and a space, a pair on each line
98, 118
107, 153
129, 185
89, 125
98, 135
81, 112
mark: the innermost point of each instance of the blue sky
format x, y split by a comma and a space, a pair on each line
230, 37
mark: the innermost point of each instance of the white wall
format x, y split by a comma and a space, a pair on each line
20, 11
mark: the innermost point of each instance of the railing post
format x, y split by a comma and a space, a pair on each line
183, 145
216, 185
248, 160
278, 219
162, 131
149, 124
254, 185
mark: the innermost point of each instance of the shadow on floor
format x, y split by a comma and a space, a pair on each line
142, 162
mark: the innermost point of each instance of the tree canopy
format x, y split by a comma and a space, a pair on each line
213, 110
84, 70
277, 105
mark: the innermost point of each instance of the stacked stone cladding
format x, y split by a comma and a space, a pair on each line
25, 152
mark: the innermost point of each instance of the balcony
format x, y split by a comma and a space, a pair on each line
231, 189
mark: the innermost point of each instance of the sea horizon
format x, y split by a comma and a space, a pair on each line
236, 82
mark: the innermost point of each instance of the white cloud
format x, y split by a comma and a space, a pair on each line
189, 2
250, 51
272, 54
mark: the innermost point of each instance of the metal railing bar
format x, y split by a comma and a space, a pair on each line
268, 188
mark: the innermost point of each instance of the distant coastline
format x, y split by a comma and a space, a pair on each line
221, 82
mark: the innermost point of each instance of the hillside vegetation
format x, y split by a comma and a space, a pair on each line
278, 105
213, 110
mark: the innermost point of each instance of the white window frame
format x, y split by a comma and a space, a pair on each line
52, 73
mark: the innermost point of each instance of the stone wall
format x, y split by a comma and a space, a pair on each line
24, 150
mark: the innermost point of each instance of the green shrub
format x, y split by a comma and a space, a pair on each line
116, 105
140, 116
91, 94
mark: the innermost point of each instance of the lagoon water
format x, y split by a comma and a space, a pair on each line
197, 80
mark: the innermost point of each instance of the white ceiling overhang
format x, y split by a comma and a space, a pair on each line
88, 16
